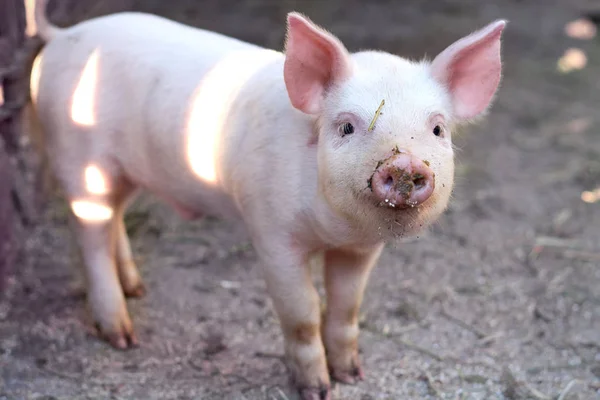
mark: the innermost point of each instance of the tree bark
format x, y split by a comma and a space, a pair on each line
16, 56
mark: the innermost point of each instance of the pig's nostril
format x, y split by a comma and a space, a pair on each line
419, 181
389, 182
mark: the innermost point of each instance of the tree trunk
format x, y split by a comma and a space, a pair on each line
16, 56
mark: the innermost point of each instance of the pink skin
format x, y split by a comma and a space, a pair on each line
402, 181
294, 199
471, 70
314, 59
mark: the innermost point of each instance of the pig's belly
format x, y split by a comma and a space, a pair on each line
193, 199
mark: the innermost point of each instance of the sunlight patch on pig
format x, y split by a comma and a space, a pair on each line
34, 80
94, 180
210, 107
82, 107
91, 211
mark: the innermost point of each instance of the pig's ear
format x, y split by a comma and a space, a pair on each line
471, 69
314, 60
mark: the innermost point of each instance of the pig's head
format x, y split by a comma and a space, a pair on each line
383, 123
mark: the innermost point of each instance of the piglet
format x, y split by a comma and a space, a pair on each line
314, 149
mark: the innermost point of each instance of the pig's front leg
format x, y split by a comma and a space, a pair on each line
297, 305
346, 275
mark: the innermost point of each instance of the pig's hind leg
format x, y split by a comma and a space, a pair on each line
96, 217
129, 276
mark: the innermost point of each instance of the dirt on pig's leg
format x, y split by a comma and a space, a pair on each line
297, 305
129, 276
346, 275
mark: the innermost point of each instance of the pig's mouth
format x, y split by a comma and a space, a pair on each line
397, 223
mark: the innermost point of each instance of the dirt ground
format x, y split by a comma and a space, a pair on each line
499, 300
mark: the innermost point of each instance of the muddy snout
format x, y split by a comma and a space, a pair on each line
402, 181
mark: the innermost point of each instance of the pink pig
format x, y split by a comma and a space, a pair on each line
315, 149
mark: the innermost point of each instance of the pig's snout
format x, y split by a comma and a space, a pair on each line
402, 181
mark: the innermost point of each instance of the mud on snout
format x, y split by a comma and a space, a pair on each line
401, 181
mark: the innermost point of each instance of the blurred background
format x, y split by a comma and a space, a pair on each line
499, 300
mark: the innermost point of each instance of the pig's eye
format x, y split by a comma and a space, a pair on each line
437, 131
347, 129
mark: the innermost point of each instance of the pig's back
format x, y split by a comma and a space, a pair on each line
153, 94
128, 52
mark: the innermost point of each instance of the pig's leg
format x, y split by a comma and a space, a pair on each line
96, 233
129, 276
296, 303
346, 275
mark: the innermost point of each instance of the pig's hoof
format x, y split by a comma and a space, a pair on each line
119, 340
122, 341
322, 392
349, 377
136, 291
